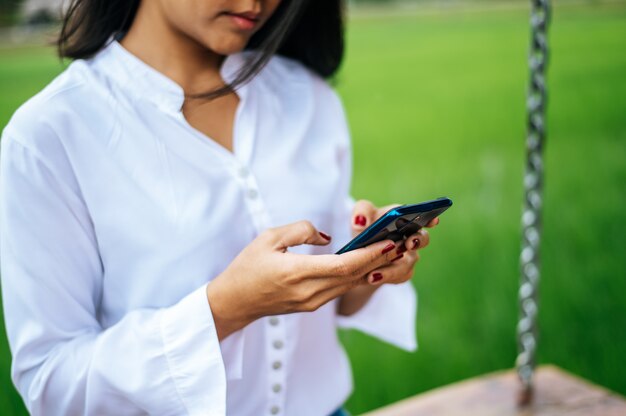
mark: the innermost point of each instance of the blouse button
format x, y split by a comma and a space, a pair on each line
252, 193
274, 410
243, 172
278, 344
276, 388
276, 365
273, 321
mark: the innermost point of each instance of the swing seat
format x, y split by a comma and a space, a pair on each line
495, 394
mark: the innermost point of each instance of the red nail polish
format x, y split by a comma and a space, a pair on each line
360, 220
401, 249
397, 258
376, 277
388, 248
416, 243
325, 236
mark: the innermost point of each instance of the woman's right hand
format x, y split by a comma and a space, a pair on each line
266, 279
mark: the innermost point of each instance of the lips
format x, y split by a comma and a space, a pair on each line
244, 21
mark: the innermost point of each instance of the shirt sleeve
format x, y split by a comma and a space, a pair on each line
154, 360
390, 313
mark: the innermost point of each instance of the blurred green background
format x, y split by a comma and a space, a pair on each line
436, 102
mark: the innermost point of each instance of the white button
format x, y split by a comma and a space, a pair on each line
274, 410
273, 321
278, 344
252, 193
276, 388
276, 365
243, 171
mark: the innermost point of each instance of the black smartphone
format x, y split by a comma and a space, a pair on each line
399, 223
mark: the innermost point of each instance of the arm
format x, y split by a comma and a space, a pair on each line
158, 361
153, 360
354, 300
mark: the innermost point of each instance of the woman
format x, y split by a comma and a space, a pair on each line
166, 205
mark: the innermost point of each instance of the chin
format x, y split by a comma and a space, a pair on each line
228, 44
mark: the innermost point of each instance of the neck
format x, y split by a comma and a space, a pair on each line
191, 65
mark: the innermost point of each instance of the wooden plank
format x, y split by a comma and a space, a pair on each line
556, 393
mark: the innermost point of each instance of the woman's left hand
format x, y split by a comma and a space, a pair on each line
401, 269
398, 271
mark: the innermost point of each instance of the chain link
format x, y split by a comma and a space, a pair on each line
533, 189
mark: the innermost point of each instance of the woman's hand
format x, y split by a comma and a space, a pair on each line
266, 279
401, 269
398, 270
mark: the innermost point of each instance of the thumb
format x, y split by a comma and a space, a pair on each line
297, 233
363, 215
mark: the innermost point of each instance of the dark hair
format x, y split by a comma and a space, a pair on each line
309, 31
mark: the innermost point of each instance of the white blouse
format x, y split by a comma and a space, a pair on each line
114, 215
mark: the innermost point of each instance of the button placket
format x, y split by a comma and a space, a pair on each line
252, 197
275, 330
276, 354
243, 172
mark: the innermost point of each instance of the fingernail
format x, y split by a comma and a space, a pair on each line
401, 249
437, 221
376, 277
360, 220
416, 243
397, 258
388, 248
325, 236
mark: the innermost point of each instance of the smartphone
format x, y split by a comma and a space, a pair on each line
399, 223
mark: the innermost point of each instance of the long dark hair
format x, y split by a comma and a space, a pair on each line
309, 31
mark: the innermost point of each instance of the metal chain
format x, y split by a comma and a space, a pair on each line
533, 187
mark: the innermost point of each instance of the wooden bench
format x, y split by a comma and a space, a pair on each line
496, 394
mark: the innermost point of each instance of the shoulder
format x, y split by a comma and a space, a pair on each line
41, 132
288, 73
304, 95
328, 113
47, 117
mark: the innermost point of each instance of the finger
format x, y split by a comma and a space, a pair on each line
433, 222
424, 238
295, 234
396, 272
353, 264
383, 210
331, 292
363, 214
361, 261
418, 240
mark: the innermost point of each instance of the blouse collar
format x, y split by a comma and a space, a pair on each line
147, 82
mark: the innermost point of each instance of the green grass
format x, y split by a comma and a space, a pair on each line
436, 107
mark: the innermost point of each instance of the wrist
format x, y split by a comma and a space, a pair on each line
228, 315
355, 299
